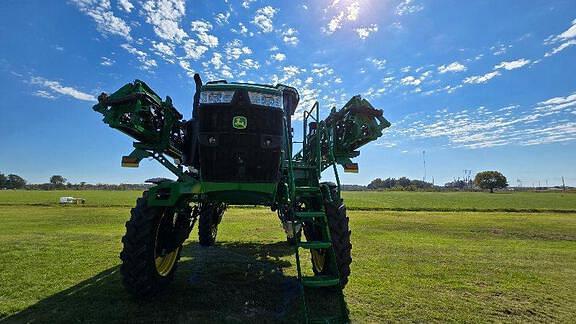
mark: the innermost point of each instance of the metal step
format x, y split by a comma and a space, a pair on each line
320, 281
309, 215
307, 189
328, 319
311, 245
304, 167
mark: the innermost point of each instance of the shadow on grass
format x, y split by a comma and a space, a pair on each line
231, 282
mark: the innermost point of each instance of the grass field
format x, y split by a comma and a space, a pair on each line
359, 200
60, 264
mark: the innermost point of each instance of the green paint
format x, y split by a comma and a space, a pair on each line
239, 122
157, 126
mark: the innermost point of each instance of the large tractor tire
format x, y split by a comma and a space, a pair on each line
152, 246
340, 234
210, 217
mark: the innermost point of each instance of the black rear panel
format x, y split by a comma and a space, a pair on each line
228, 154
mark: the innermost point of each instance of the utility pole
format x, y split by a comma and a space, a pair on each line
424, 161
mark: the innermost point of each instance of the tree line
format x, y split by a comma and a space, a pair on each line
402, 183
485, 180
58, 182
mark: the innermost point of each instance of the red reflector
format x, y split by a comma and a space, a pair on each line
128, 162
351, 168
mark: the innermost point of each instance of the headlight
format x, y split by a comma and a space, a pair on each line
216, 97
264, 99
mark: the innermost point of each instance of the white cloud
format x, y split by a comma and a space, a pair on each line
499, 49
566, 35
407, 7
147, 63
202, 28
193, 50
452, 67
289, 37
164, 50
216, 61
125, 5
106, 22
511, 65
106, 61
278, 57
208, 40
353, 11
246, 3
165, 15
410, 80
321, 70
250, 64
546, 122
222, 18
263, 18
242, 30
335, 23
364, 32
558, 104
561, 47
476, 79
56, 87
234, 49
566, 39
380, 64
44, 94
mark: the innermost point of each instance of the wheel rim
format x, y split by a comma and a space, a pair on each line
164, 264
318, 259
214, 231
164, 260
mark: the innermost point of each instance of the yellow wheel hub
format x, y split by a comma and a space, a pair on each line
165, 263
318, 259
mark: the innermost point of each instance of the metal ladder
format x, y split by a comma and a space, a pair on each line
318, 218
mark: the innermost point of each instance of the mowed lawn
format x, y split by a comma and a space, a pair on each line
356, 200
60, 264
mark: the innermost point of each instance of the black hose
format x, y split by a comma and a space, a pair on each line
196, 103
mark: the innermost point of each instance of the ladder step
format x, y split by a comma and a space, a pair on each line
309, 215
307, 189
307, 167
314, 245
328, 319
320, 281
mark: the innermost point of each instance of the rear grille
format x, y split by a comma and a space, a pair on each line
228, 154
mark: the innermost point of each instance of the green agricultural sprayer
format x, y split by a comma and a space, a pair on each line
238, 150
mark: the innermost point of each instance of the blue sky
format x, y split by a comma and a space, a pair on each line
478, 85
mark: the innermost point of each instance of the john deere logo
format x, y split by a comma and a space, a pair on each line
239, 122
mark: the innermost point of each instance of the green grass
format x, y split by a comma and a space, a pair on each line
372, 200
464, 201
50, 198
60, 264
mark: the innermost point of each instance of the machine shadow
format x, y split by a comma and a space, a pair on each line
230, 282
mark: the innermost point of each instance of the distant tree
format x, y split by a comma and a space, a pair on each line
375, 184
419, 184
457, 184
490, 180
57, 181
404, 182
3, 181
15, 182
